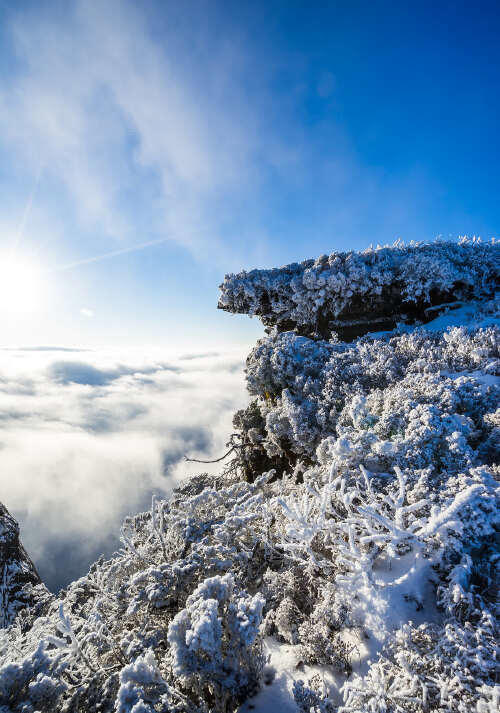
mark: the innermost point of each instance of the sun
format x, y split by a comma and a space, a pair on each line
21, 285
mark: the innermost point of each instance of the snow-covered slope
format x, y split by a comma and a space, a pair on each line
345, 560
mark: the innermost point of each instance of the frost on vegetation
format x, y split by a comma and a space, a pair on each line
35, 683
357, 525
418, 400
155, 601
212, 641
312, 697
428, 669
343, 291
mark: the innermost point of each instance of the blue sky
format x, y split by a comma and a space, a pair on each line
227, 135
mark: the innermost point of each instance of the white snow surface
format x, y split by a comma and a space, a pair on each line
284, 667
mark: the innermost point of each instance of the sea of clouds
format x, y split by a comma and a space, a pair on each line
88, 436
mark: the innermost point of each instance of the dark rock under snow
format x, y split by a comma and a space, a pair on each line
19, 577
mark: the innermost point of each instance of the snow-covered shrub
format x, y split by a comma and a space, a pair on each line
33, 684
313, 696
141, 686
377, 539
421, 399
111, 618
428, 669
286, 618
214, 642
319, 644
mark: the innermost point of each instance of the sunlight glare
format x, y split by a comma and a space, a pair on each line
21, 286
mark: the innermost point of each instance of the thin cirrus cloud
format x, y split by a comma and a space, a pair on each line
87, 438
127, 125
108, 110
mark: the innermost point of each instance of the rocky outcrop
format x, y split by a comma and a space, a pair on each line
317, 311
20, 583
355, 293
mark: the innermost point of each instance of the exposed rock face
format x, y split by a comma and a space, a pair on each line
356, 293
20, 583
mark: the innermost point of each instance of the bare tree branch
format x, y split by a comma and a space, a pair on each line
196, 460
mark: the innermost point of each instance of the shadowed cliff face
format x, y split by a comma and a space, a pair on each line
19, 577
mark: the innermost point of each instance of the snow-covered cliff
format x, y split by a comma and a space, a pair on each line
355, 293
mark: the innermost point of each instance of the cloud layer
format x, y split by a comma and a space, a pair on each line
87, 437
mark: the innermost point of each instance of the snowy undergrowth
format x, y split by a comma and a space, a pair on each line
411, 398
361, 579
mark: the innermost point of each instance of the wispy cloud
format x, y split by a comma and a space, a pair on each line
110, 108
87, 439
109, 255
172, 121
86, 312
